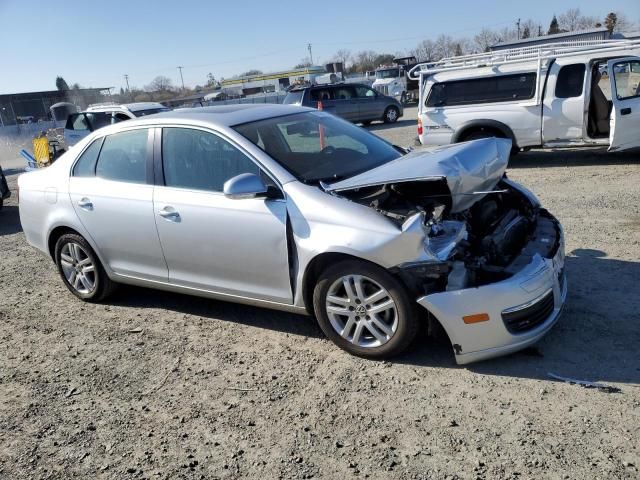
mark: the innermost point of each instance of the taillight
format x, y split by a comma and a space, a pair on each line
419, 126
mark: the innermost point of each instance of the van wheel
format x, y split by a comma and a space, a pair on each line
391, 115
364, 310
366, 123
80, 269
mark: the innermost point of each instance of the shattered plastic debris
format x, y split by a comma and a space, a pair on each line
586, 384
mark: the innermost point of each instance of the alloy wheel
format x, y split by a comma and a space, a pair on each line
78, 268
392, 115
361, 311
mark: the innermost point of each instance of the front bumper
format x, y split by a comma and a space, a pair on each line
479, 341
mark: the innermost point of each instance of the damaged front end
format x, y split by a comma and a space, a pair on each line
489, 247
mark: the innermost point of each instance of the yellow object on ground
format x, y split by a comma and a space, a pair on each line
41, 150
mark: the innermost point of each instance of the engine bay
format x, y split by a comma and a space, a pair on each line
490, 241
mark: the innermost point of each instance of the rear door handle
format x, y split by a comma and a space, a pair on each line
170, 214
625, 111
85, 203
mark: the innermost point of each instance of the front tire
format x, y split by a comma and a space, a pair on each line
81, 270
364, 310
391, 115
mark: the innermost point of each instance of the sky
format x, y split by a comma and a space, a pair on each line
96, 43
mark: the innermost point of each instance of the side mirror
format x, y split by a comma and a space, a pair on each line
245, 185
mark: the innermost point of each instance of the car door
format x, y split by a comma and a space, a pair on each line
111, 190
346, 102
369, 105
211, 242
564, 105
624, 74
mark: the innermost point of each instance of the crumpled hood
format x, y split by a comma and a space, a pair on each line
469, 169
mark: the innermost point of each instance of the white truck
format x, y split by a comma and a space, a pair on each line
394, 80
555, 95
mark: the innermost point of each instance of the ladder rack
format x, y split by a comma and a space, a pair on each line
536, 53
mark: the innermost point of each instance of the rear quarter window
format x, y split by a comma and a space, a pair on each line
570, 81
294, 98
86, 164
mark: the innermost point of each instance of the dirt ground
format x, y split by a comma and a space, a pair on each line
157, 385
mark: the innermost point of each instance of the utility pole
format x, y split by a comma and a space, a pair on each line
310, 53
181, 78
539, 30
126, 79
518, 24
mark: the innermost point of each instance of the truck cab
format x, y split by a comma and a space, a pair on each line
393, 80
557, 96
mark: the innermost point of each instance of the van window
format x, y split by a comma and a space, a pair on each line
499, 88
570, 81
627, 79
321, 94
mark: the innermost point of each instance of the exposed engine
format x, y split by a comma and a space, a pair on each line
486, 243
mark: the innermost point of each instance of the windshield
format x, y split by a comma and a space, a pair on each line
316, 146
149, 111
388, 73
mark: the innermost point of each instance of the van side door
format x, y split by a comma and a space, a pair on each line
564, 109
624, 75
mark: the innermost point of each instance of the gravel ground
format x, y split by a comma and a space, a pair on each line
158, 385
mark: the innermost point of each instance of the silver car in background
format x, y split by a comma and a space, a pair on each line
295, 209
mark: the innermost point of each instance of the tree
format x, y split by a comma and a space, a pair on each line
424, 51
458, 50
610, 21
444, 47
343, 56
526, 32
485, 39
211, 80
304, 63
251, 72
365, 60
383, 59
553, 26
61, 84
159, 84
573, 20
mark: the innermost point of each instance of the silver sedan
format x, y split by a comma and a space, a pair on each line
295, 209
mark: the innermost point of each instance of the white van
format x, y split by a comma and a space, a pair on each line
81, 124
554, 95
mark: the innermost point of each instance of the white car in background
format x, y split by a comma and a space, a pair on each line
81, 124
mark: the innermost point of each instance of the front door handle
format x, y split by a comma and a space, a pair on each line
85, 203
625, 111
170, 214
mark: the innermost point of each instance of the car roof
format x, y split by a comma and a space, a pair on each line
132, 107
230, 115
224, 116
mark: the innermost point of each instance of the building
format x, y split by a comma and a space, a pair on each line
271, 82
30, 107
593, 34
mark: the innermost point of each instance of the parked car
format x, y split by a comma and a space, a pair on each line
357, 103
4, 189
549, 96
80, 124
295, 209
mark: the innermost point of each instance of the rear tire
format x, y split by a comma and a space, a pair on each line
391, 115
366, 123
364, 310
81, 270
484, 133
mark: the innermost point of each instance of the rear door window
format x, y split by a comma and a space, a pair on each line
344, 93
123, 157
321, 94
499, 88
570, 81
